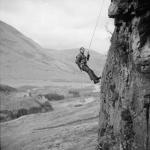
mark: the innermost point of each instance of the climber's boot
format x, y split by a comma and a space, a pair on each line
97, 80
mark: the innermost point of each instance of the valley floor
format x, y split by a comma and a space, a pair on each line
72, 125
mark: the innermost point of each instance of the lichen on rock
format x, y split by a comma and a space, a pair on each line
126, 79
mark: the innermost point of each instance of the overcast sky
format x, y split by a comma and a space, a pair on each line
60, 24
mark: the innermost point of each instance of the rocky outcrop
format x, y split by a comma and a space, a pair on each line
125, 87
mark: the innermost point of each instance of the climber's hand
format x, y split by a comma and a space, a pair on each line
88, 55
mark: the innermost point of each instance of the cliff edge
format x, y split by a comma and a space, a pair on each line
125, 88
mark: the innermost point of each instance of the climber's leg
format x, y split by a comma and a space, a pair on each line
90, 73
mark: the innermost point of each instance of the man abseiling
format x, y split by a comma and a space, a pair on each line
81, 61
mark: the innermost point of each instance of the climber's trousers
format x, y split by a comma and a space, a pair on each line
90, 72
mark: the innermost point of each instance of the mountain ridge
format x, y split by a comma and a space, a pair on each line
24, 59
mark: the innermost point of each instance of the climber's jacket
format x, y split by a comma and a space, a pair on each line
81, 60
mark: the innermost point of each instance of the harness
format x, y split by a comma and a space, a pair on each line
83, 61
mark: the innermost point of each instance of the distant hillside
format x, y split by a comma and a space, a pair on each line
21, 59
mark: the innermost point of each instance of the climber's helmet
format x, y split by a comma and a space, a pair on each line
82, 49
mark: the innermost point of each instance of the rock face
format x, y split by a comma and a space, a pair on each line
125, 86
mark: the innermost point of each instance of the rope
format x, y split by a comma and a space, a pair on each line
97, 21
